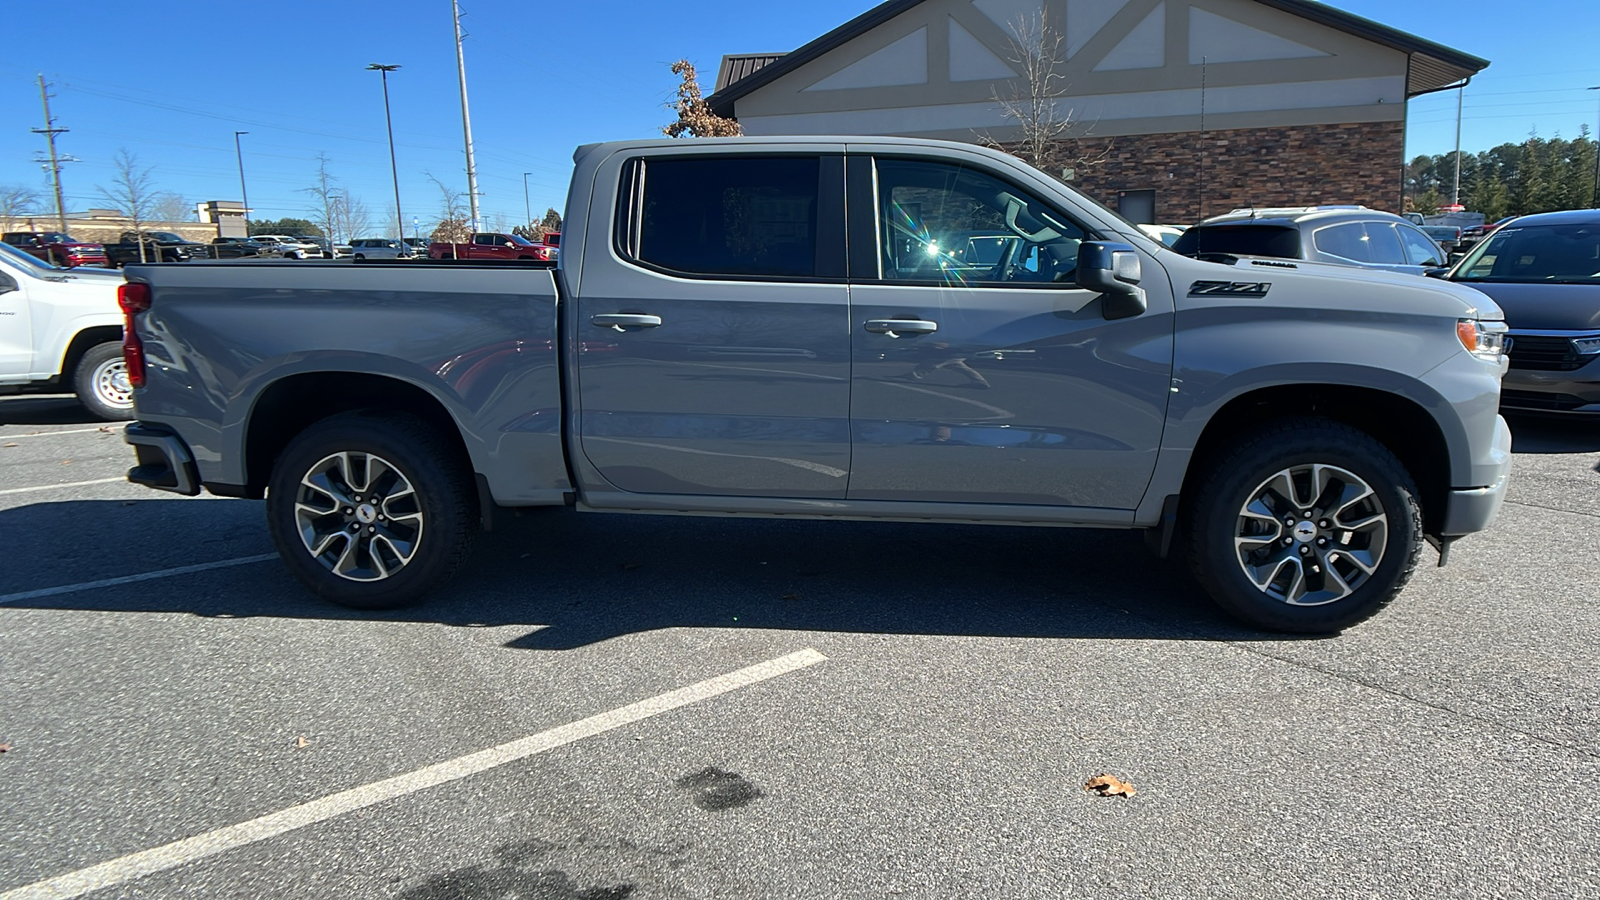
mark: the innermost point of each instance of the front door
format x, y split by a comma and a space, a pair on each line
982, 372
714, 349
16, 328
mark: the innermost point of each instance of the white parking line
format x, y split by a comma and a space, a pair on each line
130, 579
34, 434
148, 862
56, 487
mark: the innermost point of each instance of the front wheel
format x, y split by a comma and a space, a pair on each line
371, 511
101, 382
1307, 526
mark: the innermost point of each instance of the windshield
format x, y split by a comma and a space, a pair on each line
56, 237
32, 265
519, 240
1240, 240
166, 237
1531, 254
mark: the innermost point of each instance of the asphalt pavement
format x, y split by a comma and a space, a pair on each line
604, 707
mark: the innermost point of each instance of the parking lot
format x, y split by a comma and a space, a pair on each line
686, 708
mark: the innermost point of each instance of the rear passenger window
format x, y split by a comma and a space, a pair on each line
1347, 241
745, 216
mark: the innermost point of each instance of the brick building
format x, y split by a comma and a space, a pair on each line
1179, 109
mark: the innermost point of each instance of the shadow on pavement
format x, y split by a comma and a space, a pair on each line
62, 410
1533, 433
576, 579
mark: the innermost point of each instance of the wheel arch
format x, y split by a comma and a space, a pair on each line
1400, 423
290, 404
84, 341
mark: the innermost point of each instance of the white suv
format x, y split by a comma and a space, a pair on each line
60, 331
292, 248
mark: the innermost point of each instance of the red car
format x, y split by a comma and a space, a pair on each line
492, 246
57, 248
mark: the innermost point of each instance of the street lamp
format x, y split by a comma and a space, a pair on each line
244, 195
1594, 200
394, 168
527, 208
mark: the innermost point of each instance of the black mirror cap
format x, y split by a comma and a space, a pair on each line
1114, 270
1436, 272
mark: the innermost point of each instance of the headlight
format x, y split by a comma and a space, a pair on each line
1586, 346
1485, 340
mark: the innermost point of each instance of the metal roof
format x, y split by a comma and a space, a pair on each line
1432, 66
737, 66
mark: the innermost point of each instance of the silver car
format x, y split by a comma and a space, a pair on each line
379, 248
1343, 235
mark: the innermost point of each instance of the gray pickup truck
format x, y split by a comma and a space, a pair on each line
850, 328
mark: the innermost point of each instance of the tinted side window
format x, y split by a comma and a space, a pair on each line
1347, 241
1419, 249
953, 225
731, 216
1385, 244
1279, 241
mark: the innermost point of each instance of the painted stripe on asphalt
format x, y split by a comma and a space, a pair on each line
54, 487
159, 859
34, 434
130, 579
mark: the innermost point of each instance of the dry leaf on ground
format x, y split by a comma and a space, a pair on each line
5, 748
105, 429
301, 741
12, 444
1108, 785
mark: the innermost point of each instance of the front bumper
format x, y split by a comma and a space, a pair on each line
165, 462
1470, 510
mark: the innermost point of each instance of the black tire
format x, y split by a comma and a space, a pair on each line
443, 500
358, 257
101, 383
1216, 517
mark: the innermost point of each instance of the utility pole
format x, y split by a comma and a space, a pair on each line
1594, 200
243, 194
1455, 193
394, 168
527, 208
50, 131
466, 118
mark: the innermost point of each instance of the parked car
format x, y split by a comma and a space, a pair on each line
1544, 271
380, 248
57, 248
493, 246
1166, 234
159, 246
290, 247
236, 248
1342, 235
328, 248
1307, 424
61, 331
419, 246
1448, 237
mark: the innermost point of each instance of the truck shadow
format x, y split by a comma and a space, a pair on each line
1532, 433
575, 580
62, 410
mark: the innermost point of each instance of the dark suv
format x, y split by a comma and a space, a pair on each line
1544, 271
1343, 235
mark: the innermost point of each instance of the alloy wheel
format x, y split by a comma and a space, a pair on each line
1311, 534
359, 516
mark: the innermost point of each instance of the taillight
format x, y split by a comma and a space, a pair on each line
134, 298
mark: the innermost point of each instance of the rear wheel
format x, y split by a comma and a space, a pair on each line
359, 256
1306, 526
371, 511
101, 382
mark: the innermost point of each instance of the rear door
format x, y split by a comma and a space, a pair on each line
992, 377
713, 326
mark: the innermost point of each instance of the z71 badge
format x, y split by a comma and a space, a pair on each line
1230, 288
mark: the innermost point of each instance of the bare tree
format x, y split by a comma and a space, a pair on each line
17, 201
327, 202
171, 207
695, 118
130, 194
1034, 100
453, 226
354, 218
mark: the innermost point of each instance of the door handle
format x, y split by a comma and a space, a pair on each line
898, 327
622, 321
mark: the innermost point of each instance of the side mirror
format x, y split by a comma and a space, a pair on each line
1113, 269
1436, 272
7, 284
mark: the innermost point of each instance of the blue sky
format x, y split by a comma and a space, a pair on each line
172, 85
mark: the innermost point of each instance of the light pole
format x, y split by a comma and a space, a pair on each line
244, 195
1455, 193
1594, 200
394, 168
527, 208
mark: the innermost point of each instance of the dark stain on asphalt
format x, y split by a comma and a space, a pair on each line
510, 883
715, 790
